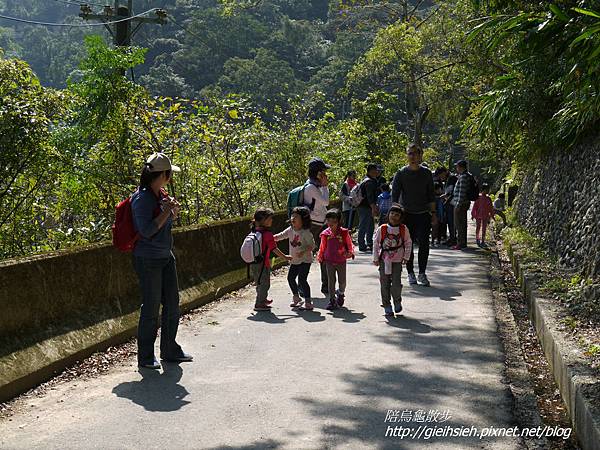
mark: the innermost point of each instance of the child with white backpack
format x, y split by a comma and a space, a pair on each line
256, 251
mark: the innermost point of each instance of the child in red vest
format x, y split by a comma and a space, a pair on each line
262, 222
482, 213
392, 246
336, 247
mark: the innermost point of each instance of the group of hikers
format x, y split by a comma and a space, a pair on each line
417, 206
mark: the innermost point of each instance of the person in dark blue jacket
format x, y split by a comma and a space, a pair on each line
153, 213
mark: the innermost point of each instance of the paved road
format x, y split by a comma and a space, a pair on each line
301, 380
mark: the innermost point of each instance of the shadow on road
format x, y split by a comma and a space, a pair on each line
447, 294
156, 391
269, 443
269, 317
348, 315
407, 323
467, 370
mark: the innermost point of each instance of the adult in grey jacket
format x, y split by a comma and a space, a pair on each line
413, 189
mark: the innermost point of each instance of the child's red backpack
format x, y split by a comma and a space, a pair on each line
123, 231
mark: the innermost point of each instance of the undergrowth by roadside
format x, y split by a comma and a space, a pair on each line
576, 294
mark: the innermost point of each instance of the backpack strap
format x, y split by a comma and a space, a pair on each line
264, 263
314, 200
384, 232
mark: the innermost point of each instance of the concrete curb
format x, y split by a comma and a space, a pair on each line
517, 376
28, 367
574, 378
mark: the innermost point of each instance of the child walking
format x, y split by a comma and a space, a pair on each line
261, 272
482, 212
499, 207
392, 246
439, 230
336, 247
384, 202
302, 243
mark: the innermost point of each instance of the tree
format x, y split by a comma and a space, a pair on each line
26, 153
265, 79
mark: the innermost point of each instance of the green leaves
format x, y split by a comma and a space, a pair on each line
559, 13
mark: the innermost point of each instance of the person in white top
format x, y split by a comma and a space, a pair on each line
302, 244
316, 198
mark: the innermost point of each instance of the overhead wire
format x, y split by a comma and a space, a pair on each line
75, 25
67, 2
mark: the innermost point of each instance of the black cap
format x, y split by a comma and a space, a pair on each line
318, 164
461, 163
373, 166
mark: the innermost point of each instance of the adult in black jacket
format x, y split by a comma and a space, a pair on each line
413, 189
368, 209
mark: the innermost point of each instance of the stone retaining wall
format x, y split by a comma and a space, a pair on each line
559, 202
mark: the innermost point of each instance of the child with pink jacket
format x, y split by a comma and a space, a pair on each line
392, 247
336, 247
482, 213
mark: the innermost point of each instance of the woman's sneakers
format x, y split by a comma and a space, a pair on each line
412, 279
262, 307
389, 312
308, 305
422, 280
340, 298
296, 302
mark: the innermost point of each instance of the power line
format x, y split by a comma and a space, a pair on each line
77, 25
202, 39
66, 2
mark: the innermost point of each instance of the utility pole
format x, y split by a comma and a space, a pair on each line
122, 32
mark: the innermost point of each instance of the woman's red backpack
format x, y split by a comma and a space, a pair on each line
123, 230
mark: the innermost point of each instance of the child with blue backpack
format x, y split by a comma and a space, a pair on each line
384, 202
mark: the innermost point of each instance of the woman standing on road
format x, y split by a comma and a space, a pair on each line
153, 213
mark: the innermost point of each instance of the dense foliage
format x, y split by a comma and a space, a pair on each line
242, 93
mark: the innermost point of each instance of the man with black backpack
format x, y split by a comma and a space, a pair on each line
464, 192
367, 209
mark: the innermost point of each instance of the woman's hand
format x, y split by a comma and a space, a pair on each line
323, 179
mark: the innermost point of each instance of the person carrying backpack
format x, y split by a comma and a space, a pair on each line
384, 202
316, 198
347, 206
393, 247
261, 269
153, 213
367, 209
334, 249
464, 190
